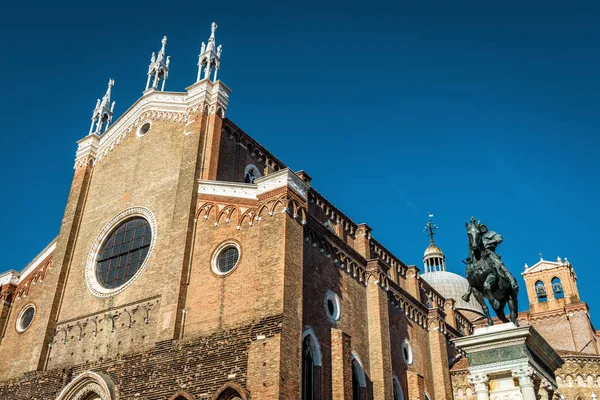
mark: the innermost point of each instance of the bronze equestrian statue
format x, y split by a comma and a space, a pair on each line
487, 275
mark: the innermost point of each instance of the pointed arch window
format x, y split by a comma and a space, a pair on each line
557, 288
311, 366
540, 291
359, 380
398, 394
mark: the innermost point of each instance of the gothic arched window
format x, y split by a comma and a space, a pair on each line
311, 362
540, 290
398, 394
359, 380
557, 288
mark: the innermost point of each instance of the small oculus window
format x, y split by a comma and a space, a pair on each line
407, 353
144, 128
25, 317
332, 306
226, 258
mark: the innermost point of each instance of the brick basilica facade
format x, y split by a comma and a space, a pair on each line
191, 263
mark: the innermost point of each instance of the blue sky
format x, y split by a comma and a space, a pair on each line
395, 109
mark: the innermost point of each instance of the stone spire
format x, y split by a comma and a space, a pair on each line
103, 112
433, 258
159, 68
209, 59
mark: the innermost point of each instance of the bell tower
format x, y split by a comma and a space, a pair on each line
555, 308
551, 285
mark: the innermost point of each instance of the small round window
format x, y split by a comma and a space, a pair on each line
226, 258
332, 306
407, 353
25, 317
144, 128
123, 252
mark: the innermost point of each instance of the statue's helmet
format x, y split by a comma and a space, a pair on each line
483, 228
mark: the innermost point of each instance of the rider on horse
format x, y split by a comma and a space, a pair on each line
491, 239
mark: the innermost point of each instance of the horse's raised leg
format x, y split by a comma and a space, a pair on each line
479, 297
513, 307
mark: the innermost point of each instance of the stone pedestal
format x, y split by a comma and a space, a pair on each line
510, 362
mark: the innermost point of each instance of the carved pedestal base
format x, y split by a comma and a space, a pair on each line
510, 363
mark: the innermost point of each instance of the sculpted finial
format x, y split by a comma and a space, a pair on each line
103, 112
209, 61
159, 67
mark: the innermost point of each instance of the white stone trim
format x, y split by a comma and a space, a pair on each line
36, 261
279, 179
217, 252
90, 268
228, 189
11, 276
337, 313
18, 326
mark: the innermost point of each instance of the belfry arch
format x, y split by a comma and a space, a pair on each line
89, 386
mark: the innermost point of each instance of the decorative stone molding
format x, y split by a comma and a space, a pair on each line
525, 375
89, 326
479, 381
87, 384
90, 268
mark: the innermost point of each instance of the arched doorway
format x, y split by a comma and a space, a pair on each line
89, 386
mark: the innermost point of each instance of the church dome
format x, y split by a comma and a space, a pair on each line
448, 284
453, 286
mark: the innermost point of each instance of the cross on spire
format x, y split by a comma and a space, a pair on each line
209, 59
103, 112
430, 228
159, 68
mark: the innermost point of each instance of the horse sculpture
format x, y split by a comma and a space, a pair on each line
488, 277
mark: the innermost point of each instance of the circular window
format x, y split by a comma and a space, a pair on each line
121, 251
407, 352
226, 258
25, 317
332, 305
144, 128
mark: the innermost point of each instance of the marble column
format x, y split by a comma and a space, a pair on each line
525, 376
480, 381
